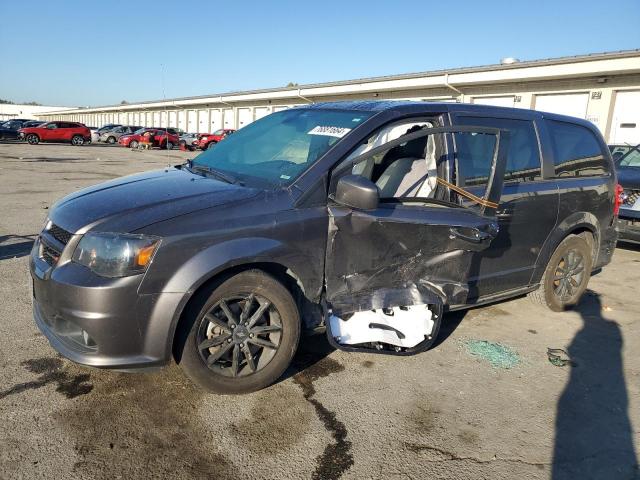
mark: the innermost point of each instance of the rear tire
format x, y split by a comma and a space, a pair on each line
211, 145
77, 140
567, 274
271, 320
169, 145
111, 140
32, 139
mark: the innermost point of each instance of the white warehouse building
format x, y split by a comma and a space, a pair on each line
603, 88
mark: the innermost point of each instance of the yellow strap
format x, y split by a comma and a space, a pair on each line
469, 195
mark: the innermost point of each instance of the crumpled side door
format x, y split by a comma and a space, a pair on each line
412, 251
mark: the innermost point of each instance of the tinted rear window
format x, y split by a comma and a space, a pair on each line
576, 150
523, 160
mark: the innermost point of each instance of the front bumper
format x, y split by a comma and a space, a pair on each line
629, 225
99, 321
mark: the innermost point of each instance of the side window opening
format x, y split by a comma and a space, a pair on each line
415, 172
576, 151
403, 171
523, 157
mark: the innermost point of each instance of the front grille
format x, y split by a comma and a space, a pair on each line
50, 255
630, 197
59, 234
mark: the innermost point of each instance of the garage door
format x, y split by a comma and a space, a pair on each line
173, 119
261, 112
216, 121
572, 104
156, 119
245, 117
228, 119
495, 101
163, 119
191, 121
625, 126
182, 119
203, 121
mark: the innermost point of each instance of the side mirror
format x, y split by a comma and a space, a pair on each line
357, 192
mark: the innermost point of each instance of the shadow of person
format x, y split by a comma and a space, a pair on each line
594, 437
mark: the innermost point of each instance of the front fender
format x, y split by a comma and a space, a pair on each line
222, 256
218, 258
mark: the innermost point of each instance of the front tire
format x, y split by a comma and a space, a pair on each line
169, 146
133, 144
77, 140
567, 274
32, 139
241, 336
211, 145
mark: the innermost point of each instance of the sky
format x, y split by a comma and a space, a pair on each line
89, 53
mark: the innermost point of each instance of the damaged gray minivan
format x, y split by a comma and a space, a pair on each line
368, 220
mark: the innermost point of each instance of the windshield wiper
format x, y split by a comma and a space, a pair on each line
225, 177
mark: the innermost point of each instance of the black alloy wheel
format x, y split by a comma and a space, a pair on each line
567, 274
239, 334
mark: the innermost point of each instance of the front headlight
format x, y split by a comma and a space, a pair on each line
115, 254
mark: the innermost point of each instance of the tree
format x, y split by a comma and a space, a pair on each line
5, 102
124, 102
292, 84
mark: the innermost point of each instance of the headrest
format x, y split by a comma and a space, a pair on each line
415, 148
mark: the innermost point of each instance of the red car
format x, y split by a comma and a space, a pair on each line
74, 133
207, 140
162, 137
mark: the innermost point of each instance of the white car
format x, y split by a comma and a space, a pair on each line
189, 140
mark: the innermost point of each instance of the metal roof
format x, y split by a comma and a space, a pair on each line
431, 73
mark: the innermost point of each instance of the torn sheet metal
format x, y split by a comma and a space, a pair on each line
400, 256
402, 327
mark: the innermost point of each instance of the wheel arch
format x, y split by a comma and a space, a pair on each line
584, 224
208, 283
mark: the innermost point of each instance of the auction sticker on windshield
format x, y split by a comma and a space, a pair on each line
329, 131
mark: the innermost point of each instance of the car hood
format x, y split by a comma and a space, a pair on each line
629, 177
130, 203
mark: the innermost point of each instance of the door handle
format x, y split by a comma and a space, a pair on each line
504, 214
470, 234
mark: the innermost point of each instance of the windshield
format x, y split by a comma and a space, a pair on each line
276, 149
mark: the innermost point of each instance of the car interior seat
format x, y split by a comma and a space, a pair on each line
385, 135
405, 175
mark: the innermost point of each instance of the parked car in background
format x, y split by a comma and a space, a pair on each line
71, 132
32, 123
627, 162
113, 135
95, 134
9, 129
208, 140
163, 138
367, 219
188, 141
